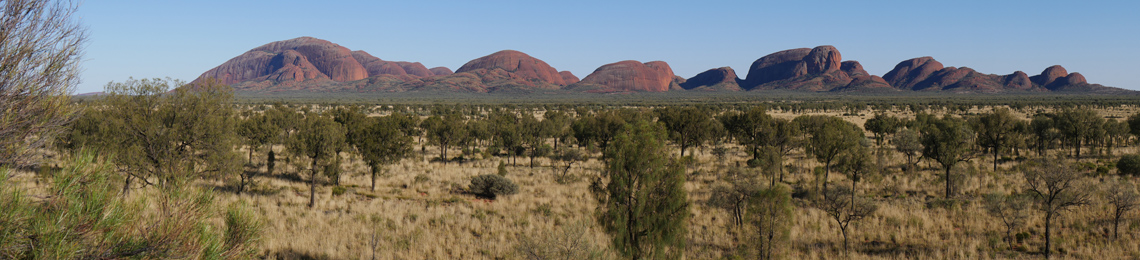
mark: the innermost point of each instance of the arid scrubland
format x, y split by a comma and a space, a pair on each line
420, 209
425, 207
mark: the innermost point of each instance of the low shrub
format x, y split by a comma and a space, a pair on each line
491, 186
1129, 164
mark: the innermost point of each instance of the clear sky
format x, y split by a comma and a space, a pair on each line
182, 39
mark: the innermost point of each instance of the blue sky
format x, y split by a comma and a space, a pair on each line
182, 39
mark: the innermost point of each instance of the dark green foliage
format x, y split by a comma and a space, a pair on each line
688, 126
380, 142
755, 129
444, 131
771, 219
908, 143
257, 130
947, 140
317, 139
1129, 164
644, 205
995, 131
830, 136
492, 186
1134, 124
1079, 126
882, 125
167, 138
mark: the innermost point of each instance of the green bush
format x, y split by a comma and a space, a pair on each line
491, 186
338, 190
1129, 164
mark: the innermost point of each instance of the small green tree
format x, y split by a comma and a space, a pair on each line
1078, 126
831, 137
381, 143
444, 131
908, 143
644, 205
995, 131
771, 216
317, 139
947, 141
257, 130
167, 137
688, 126
882, 125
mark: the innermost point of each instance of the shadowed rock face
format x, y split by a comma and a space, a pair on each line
713, 77
1050, 74
775, 66
441, 71
1018, 80
568, 77
517, 63
654, 76
927, 74
375, 66
910, 72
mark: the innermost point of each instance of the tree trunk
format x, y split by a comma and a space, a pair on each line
826, 171
1048, 242
374, 177
313, 184
995, 158
948, 181
843, 229
127, 185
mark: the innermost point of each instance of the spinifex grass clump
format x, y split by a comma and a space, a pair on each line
83, 216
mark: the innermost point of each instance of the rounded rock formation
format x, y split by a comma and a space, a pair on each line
568, 77
328, 59
655, 76
517, 63
441, 71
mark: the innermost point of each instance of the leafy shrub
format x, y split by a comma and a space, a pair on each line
1129, 164
338, 190
491, 186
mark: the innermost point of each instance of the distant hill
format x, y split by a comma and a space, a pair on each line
309, 64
